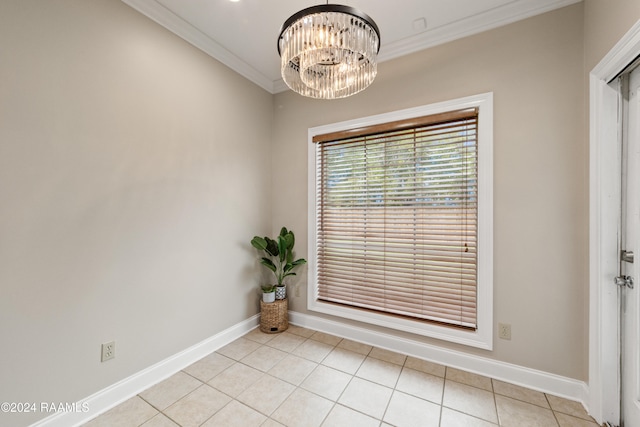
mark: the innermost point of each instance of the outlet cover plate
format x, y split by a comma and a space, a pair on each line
108, 351
504, 331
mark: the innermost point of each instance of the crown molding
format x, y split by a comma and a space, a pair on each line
172, 22
491, 19
494, 18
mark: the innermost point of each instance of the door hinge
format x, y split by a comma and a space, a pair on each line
624, 281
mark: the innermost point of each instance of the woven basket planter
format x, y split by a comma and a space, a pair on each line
274, 317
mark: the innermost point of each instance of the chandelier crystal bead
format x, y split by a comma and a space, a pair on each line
329, 51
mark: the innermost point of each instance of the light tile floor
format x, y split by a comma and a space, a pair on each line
304, 378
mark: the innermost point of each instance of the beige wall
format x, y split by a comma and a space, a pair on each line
605, 23
535, 70
118, 142
118, 220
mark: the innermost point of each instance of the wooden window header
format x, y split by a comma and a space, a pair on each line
399, 125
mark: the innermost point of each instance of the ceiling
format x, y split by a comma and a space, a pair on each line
242, 34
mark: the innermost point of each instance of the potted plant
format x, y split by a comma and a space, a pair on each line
279, 257
268, 293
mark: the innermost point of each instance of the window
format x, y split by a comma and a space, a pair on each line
401, 224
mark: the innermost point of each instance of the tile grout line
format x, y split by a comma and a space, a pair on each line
348, 346
495, 403
393, 390
318, 364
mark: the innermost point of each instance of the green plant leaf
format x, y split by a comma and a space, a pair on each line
279, 253
269, 264
259, 243
290, 240
272, 247
282, 247
268, 288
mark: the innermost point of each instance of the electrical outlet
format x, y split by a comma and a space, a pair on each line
108, 351
504, 331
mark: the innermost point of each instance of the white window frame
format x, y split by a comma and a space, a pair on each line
482, 337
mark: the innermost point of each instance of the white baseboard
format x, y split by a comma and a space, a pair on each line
119, 392
537, 380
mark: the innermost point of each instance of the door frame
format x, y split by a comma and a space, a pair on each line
604, 226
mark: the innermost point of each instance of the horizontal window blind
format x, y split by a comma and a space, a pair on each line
397, 218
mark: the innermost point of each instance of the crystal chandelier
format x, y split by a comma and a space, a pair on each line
329, 51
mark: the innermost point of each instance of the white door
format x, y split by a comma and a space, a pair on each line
629, 293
